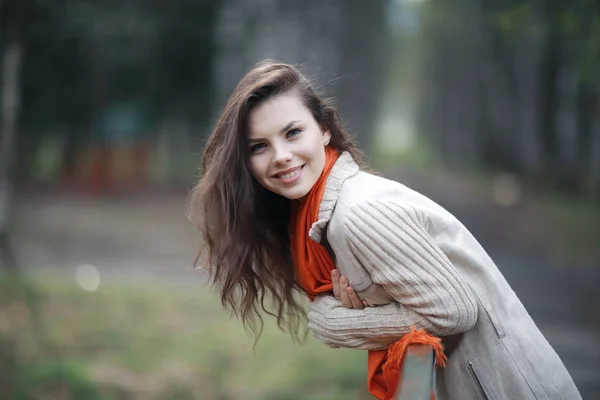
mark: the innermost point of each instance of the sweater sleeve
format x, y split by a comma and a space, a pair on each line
391, 242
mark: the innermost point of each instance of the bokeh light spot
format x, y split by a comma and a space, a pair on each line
87, 277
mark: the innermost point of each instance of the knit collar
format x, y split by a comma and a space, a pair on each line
344, 168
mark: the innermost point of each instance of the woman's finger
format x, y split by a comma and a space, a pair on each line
354, 299
344, 292
335, 279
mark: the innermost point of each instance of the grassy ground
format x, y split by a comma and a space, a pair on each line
128, 341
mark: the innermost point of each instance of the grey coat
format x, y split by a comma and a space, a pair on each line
440, 279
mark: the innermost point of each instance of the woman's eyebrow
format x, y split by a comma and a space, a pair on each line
283, 130
288, 126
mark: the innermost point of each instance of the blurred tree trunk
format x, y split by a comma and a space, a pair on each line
12, 14
548, 101
456, 106
586, 100
587, 148
364, 59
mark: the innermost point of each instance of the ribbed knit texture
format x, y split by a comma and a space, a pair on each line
344, 167
389, 240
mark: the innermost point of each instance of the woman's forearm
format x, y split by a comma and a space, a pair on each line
372, 328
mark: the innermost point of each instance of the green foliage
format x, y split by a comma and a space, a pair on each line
67, 377
514, 19
26, 375
577, 25
590, 54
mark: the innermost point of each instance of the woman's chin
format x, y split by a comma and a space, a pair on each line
296, 193
295, 196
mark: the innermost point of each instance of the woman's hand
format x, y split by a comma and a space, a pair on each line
342, 291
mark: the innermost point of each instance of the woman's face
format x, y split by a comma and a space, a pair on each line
287, 146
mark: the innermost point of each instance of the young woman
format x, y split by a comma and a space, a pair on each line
283, 206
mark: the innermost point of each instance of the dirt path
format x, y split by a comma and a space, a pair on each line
142, 237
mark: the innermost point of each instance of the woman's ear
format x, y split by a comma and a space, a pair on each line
326, 135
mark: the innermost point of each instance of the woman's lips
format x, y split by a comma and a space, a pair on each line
291, 177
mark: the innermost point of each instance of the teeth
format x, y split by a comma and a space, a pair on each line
290, 175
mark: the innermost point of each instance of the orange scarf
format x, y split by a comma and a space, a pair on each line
313, 266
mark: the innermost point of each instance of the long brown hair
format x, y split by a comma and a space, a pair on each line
244, 227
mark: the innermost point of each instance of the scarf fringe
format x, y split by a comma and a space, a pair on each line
391, 369
397, 352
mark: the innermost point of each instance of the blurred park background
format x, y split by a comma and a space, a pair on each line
489, 107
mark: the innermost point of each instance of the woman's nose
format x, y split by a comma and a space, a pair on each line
282, 155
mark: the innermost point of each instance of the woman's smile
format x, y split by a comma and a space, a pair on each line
290, 176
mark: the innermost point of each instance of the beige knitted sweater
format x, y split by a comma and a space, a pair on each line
440, 279
385, 240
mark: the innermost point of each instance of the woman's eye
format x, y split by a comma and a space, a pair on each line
293, 132
257, 147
